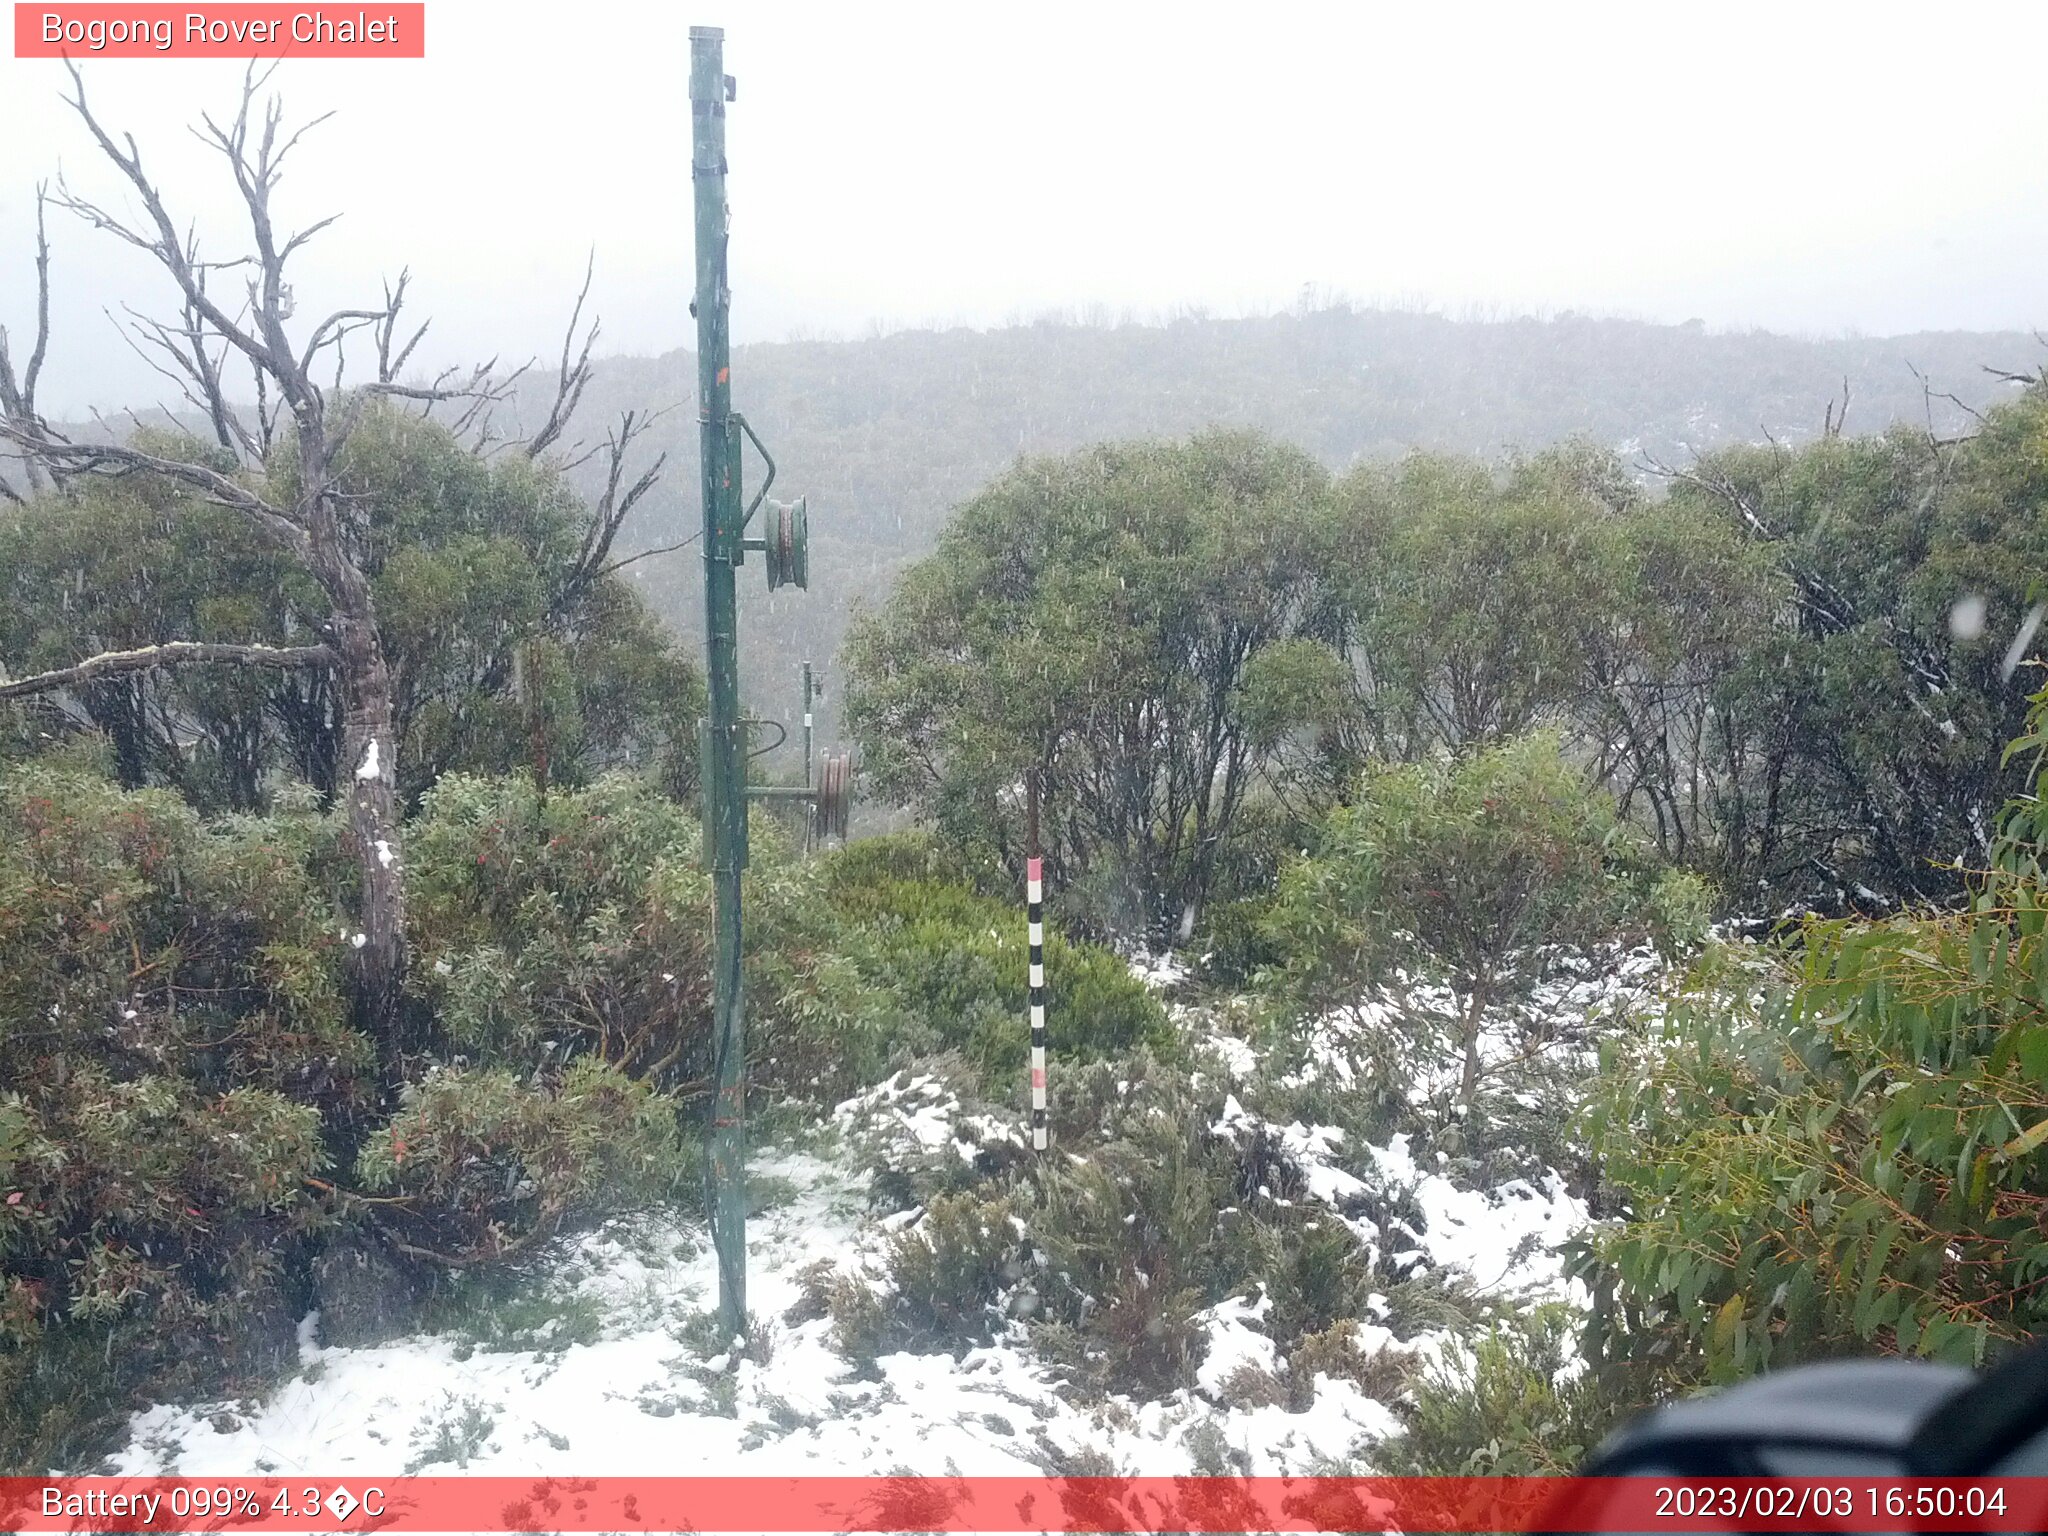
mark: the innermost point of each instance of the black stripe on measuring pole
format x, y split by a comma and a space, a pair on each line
1034, 911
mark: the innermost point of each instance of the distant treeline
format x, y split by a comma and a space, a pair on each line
1794, 674
889, 435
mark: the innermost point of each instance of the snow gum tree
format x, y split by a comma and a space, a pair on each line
1100, 618
1473, 868
278, 466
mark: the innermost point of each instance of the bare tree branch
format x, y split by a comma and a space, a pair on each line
2037, 379
175, 653
196, 374
1831, 427
394, 301
18, 394
648, 554
263, 351
1928, 395
117, 459
614, 505
574, 376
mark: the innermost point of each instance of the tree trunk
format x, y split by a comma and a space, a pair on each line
1468, 1080
369, 756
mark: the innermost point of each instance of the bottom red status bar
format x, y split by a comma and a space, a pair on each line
1023, 1504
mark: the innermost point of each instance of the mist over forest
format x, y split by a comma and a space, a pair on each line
887, 435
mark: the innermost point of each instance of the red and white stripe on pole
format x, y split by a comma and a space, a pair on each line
1034, 912
1034, 895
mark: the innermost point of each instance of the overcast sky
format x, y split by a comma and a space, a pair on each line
1801, 167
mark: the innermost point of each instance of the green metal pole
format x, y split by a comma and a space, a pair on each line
724, 771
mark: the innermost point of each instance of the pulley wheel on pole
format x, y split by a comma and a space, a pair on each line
786, 542
835, 794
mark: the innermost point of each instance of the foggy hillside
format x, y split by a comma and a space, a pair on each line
887, 435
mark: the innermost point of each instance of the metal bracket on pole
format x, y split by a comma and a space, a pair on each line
766, 458
831, 795
787, 543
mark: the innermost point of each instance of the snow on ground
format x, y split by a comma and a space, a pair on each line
1505, 1238
1343, 1044
642, 1400
644, 1397
1159, 972
906, 1115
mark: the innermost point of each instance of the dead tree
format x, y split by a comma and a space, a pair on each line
305, 403
618, 498
18, 388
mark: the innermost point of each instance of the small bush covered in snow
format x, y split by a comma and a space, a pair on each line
1511, 1403
1476, 869
1162, 1202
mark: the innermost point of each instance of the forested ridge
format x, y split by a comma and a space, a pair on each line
887, 434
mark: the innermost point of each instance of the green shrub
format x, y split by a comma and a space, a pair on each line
187, 1115
481, 1164
1835, 1145
1506, 1406
1107, 1256
1476, 869
1337, 1352
951, 1270
1237, 940
580, 925
957, 965
175, 1043
918, 854
1134, 1249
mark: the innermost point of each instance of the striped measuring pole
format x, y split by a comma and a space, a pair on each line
1034, 912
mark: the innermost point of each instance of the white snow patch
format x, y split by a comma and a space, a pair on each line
1159, 972
908, 1115
1233, 1342
639, 1400
1506, 1239
1236, 1056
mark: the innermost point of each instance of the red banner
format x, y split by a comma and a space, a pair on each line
238, 31
1022, 1504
